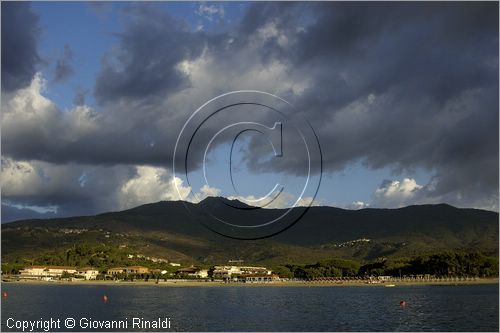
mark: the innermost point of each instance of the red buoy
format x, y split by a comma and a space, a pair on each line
4, 294
402, 303
104, 298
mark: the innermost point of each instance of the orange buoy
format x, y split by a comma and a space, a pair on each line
4, 294
104, 298
402, 303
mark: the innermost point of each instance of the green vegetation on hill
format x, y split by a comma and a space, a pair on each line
167, 230
100, 256
446, 264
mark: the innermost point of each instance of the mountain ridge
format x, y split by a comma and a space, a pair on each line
168, 227
240, 203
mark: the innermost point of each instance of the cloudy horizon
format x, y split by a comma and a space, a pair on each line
402, 96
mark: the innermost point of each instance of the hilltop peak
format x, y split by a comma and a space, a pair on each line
216, 202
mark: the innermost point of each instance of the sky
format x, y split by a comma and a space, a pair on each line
403, 98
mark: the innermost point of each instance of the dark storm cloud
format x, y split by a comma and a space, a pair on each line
151, 45
435, 50
19, 53
63, 68
400, 85
432, 71
132, 127
70, 189
132, 80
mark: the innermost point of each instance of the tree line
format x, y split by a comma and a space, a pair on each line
445, 264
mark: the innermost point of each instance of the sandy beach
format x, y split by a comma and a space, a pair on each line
187, 283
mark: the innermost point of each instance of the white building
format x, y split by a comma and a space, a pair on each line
229, 271
39, 272
194, 272
89, 273
202, 273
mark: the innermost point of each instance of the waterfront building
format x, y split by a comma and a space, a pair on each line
116, 270
89, 273
193, 272
128, 270
45, 272
227, 272
136, 270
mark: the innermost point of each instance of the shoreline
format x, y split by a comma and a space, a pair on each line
268, 284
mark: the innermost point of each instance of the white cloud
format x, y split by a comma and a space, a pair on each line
283, 200
28, 109
205, 192
182, 191
83, 119
402, 189
270, 31
310, 201
27, 112
355, 205
20, 178
240, 72
151, 184
210, 12
395, 193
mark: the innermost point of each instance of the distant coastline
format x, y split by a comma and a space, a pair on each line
194, 283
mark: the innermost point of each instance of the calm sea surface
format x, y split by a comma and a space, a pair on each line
429, 308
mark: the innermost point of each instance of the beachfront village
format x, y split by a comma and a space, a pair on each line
122, 263
229, 273
218, 273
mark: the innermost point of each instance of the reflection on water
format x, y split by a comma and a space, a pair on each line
428, 308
